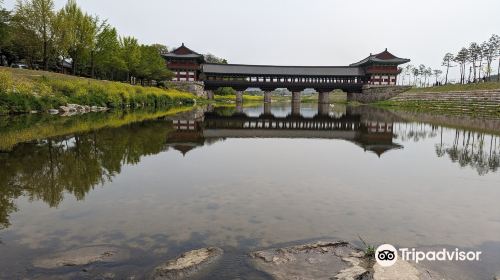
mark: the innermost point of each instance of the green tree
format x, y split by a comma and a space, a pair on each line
482, 55
409, 71
5, 32
491, 51
416, 73
437, 73
422, 71
95, 28
225, 91
131, 55
35, 17
210, 58
447, 60
461, 58
474, 55
151, 65
108, 60
76, 33
161, 48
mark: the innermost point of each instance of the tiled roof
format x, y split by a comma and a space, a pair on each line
384, 57
270, 70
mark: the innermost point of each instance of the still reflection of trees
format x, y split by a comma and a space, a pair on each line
475, 149
47, 169
478, 150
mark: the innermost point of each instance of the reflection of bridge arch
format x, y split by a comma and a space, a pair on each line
372, 136
266, 121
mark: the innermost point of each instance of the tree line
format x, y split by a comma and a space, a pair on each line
72, 41
475, 62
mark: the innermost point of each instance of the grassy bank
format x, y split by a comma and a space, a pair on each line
458, 87
447, 108
22, 91
468, 99
24, 128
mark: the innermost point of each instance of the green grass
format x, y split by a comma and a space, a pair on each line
22, 91
458, 87
368, 249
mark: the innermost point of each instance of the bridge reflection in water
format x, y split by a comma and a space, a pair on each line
198, 129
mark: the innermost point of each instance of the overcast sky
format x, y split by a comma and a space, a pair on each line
304, 32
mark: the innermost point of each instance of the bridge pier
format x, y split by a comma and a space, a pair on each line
239, 107
267, 108
295, 106
267, 97
210, 94
295, 97
239, 97
324, 98
323, 109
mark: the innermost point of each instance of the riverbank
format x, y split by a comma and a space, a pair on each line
459, 87
452, 99
472, 102
25, 91
227, 99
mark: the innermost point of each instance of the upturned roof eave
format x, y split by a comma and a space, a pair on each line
373, 59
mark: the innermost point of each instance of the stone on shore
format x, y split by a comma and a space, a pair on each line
400, 270
319, 260
53, 111
333, 260
64, 109
83, 256
405, 270
187, 264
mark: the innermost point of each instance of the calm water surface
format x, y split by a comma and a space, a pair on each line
234, 179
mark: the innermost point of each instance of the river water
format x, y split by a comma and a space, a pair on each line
251, 178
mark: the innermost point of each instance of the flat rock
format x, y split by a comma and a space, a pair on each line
405, 270
83, 256
320, 260
400, 270
187, 264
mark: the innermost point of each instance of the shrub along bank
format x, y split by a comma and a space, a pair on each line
23, 91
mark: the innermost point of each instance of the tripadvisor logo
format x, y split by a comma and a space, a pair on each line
387, 255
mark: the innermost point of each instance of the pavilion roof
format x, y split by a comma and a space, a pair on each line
273, 70
384, 57
183, 52
182, 55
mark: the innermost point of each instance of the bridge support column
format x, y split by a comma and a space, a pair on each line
239, 97
295, 103
295, 97
267, 97
324, 97
210, 94
239, 107
323, 109
267, 108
